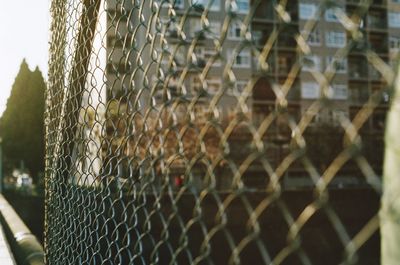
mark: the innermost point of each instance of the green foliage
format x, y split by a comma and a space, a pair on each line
22, 123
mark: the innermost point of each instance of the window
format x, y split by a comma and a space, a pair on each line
242, 59
310, 90
335, 39
394, 43
178, 4
214, 4
312, 63
396, 1
243, 6
213, 29
340, 66
314, 38
234, 30
338, 91
330, 14
394, 19
307, 11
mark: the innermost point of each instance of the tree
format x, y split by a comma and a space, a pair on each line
22, 123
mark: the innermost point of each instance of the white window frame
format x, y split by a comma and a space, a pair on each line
330, 15
339, 91
394, 19
396, 41
243, 2
307, 11
214, 29
332, 37
234, 28
340, 66
310, 90
240, 54
315, 35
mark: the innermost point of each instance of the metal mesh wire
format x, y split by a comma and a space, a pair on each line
216, 132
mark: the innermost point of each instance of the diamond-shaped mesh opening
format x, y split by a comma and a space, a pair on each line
217, 132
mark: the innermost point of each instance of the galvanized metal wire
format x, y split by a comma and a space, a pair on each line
209, 132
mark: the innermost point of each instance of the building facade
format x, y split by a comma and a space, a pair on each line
254, 61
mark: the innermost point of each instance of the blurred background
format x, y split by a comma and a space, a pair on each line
23, 73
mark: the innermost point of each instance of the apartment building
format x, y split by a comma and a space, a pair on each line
199, 57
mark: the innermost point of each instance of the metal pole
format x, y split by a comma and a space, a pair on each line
24, 245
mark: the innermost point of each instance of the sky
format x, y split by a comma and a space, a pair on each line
24, 33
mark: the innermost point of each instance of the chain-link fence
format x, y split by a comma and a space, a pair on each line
217, 132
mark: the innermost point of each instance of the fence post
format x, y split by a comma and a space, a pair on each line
390, 208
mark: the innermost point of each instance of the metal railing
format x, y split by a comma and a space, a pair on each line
216, 132
25, 247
